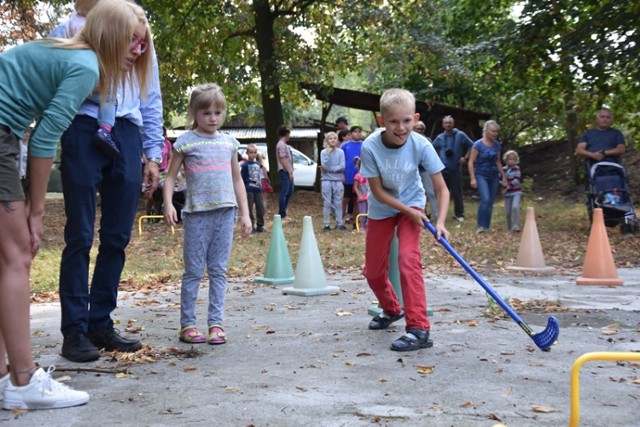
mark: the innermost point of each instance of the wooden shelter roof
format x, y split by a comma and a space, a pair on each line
431, 113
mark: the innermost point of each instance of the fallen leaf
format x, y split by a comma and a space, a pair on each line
426, 368
382, 380
609, 332
190, 368
467, 404
543, 409
494, 417
506, 393
348, 363
122, 375
472, 323
301, 389
363, 354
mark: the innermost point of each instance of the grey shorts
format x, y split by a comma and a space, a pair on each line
10, 183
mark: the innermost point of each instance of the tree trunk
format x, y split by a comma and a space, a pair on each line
269, 82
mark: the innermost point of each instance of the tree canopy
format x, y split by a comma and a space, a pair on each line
540, 68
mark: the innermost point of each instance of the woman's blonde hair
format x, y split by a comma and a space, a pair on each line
108, 31
511, 153
202, 97
490, 123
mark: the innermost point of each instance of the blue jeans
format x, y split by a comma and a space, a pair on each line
488, 190
286, 191
85, 170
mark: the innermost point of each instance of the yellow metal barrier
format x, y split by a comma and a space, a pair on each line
358, 221
575, 376
173, 231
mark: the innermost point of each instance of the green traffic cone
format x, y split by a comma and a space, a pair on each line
278, 270
394, 277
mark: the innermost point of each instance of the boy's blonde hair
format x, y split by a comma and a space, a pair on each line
511, 153
202, 97
392, 98
328, 134
253, 147
108, 31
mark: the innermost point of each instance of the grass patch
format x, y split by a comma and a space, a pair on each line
156, 255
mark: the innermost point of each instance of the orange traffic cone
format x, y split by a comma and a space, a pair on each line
599, 268
530, 257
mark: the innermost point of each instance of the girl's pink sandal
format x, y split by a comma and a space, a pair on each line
191, 335
216, 335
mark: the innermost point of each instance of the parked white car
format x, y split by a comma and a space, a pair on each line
304, 169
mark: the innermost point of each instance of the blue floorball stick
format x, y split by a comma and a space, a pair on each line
544, 339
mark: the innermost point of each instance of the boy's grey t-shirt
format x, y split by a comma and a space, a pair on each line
398, 171
333, 164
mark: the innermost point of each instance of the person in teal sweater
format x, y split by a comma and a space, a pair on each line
45, 81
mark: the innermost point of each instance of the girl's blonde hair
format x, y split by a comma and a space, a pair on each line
202, 97
396, 98
511, 153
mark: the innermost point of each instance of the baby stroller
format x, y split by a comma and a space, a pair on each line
608, 189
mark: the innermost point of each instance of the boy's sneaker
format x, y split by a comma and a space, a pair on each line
42, 392
413, 340
105, 142
341, 227
326, 228
3, 384
260, 230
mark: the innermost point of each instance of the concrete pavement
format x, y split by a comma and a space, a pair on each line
293, 361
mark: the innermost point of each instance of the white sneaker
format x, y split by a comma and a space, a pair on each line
3, 385
42, 392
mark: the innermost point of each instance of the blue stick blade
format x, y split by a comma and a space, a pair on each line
545, 339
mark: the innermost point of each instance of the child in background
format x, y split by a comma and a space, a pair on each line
343, 136
250, 173
390, 158
332, 167
215, 191
107, 112
513, 190
265, 180
361, 188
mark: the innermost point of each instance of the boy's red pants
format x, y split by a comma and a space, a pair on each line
376, 268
